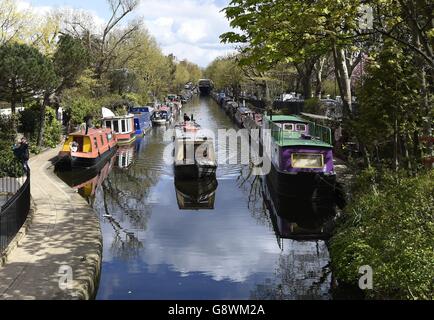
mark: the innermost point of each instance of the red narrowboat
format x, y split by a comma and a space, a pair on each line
88, 148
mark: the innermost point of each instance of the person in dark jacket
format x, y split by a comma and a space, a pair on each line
22, 152
186, 118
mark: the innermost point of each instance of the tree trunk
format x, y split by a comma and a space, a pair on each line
344, 80
42, 108
318, 73
305, 72
395, 145
426, 102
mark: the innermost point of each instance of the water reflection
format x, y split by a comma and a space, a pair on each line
125, 155
302, 269
153, 250
87, 181
196, 195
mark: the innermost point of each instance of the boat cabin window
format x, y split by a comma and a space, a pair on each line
108, 124
124, 129
79, 142
95, 142
288, 126
301, 127
115, 126
102, 140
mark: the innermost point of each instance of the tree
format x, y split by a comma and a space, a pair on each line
70, 60
295, 31
389, 110
24, 73
13, 22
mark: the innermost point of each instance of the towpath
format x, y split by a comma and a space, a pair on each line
60, 255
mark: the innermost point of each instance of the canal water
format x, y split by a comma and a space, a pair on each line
226, 239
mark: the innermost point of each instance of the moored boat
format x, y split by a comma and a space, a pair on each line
253, 121
122, 126
142, 119
87, 148
195, 156
162, 116
241, 114
301, 154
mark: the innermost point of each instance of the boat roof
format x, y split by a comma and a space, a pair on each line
141, 109
294, 142
90, 132
244, 110
282, 118
120, 117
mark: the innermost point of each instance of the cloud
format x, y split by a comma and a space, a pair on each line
189, 29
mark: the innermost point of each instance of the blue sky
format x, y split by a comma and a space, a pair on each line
189, 29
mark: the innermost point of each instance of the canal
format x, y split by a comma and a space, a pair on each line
232, 238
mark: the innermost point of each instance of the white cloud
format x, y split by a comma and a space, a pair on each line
189, 29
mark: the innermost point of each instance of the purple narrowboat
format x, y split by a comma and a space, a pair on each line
301, 154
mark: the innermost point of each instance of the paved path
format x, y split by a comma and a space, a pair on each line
65, 233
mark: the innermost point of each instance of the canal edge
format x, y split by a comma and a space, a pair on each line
84, 257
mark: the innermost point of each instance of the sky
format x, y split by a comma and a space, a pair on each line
189, 29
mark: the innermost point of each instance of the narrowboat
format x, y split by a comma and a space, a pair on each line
205, 86
175, 101
87, 148
301, 155
241, 114
194, 152
162, 116
196, 195
253, 121
142, 119
122, 126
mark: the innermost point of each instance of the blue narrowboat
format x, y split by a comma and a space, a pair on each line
142, 119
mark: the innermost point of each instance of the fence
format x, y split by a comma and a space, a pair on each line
15, 193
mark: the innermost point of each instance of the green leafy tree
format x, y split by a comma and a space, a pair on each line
24, 73
70, 60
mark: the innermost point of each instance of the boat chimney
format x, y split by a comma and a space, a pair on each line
88, 120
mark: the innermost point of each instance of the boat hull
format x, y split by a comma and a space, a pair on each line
306, 185
71, 162
123, 142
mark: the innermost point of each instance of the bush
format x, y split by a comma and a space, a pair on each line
30, 125
53, 129
313, 106
10, 166
389, 226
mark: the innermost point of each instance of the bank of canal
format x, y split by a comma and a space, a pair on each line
247, 244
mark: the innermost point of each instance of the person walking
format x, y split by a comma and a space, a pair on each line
21, 151
186, 118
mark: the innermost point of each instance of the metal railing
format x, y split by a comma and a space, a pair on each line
15, 209
315, 130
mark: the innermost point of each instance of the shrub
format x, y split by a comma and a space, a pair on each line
10, 166
313, 106
389, 226
30, 125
